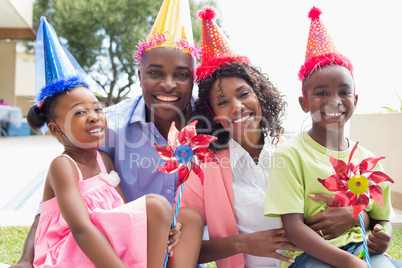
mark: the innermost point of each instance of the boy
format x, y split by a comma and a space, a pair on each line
329, 96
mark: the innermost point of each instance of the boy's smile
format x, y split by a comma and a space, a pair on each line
329, 92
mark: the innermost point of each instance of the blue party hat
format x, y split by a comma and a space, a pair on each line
56, 69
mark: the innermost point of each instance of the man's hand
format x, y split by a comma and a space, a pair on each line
22, 264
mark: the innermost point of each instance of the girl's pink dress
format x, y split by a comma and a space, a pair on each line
124, 225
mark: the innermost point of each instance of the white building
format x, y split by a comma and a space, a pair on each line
17, 68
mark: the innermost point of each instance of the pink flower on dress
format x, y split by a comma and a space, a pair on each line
185, 152
355, 185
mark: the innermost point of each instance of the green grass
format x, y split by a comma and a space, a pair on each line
12, 241
395, 250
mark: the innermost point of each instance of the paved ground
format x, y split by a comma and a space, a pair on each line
24, 162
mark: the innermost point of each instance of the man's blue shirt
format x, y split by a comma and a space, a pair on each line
130, 143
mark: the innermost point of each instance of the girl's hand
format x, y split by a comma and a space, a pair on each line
378, 241
265, 244
174, 237
333, 221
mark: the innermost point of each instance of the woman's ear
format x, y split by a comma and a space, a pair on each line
303, 104
54, 130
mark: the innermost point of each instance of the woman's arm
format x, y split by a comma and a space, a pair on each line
63, 178
313, 244
334, 221
263, 243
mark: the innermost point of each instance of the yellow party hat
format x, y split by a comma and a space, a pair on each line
172, 28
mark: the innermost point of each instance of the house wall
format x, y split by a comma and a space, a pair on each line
7, 71
24, 80
382, 134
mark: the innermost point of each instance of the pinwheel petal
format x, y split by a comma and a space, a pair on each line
165, 151
333, 184
379, 176
369, 163
170, 166
360, 204
376, 193
352, 152
198, 171
339, 166
204, 155
352, 198
341, 200
201, 141
187, 133
172, 136
353, 168
184, 173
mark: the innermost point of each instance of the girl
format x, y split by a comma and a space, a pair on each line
239, 105
82, 203
84, 221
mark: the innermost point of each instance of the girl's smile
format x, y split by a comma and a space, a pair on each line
81, 119
97, 130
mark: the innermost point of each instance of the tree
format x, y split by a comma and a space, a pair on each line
195, 21
102, 34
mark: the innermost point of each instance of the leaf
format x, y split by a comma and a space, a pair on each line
388, 108
399, 99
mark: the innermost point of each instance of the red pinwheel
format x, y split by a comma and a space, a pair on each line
355, 185
185, 152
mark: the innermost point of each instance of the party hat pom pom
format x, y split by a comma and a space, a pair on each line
314, 13
207, 12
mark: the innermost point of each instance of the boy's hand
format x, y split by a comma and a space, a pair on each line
379, 240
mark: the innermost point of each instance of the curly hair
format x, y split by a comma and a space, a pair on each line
271, 101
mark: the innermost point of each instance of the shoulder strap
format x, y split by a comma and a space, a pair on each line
78, 169
100, 162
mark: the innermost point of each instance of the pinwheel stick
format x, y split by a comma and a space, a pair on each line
177, 205
174, 219
364, 240
184, 153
